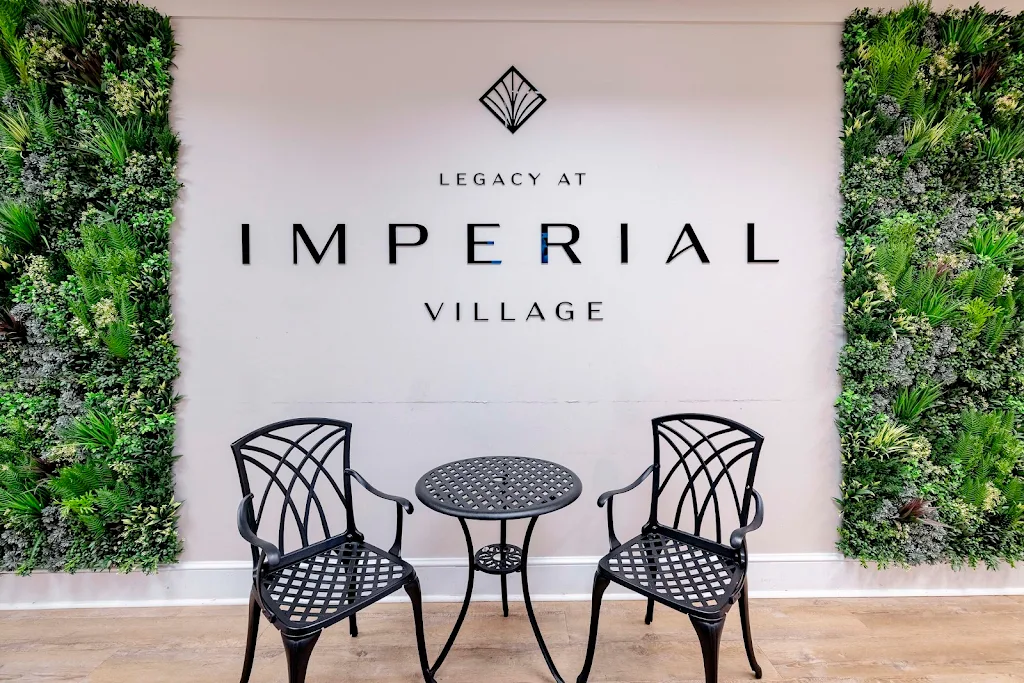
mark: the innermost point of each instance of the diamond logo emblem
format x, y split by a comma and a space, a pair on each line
512, 99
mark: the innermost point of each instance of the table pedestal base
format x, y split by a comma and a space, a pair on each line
501, 559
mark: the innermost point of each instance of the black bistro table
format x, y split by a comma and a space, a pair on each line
498, 488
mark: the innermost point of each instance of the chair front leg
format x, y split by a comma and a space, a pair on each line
748, 641
250, 638
652, 569
710, 635
600, 584
351, 568
413, 589
297, 652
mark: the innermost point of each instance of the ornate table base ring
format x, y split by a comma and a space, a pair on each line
499, 559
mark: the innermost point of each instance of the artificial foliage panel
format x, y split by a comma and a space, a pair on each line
932, 372
87, 365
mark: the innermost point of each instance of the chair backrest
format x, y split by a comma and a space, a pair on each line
709, 462
296, 500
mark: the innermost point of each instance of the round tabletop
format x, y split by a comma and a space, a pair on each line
498, 487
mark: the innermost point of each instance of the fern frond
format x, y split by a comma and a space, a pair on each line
894, 61
118, 339
121, 237
976, 423
923, 291
892, 258
84, 504
42, 113
974, 492
977, 313
997, 330
128, 311
967, 450
114, 503
79, 480
8, 79
984, 282
93, 523
1013, 491
19, 54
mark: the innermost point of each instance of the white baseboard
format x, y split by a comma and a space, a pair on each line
780, 575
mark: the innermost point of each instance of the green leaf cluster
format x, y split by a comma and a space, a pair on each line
933, 207
87, 366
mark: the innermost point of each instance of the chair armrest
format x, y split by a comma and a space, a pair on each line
400, 505
608, 497
406, 505
738, 537
269, 550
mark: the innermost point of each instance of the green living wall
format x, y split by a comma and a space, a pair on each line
933, 371
87, 365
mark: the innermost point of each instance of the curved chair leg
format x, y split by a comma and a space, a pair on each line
710, 635
650, 611
297, 652
600, 584
413, 589
748, 641
250, 639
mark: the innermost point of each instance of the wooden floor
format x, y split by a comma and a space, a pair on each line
956, 640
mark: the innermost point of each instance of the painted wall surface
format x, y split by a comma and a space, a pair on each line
711, 125
326, 111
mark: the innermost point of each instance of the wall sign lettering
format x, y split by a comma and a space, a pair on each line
482, 250
552, 235
512, 100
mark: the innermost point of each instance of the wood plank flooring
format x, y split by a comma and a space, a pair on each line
906, 640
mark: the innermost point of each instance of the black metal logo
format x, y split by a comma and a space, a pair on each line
512, 99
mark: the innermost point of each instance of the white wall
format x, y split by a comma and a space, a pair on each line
714, 114
356, 125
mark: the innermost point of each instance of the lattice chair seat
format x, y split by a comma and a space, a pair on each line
670, 570
331, 585
694, 564
313, 577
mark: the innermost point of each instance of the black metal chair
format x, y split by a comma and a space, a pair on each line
312, 578
690, 572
